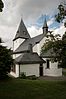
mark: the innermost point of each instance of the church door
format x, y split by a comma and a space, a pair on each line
41, 70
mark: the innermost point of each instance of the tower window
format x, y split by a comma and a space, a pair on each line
18, 31
24, 32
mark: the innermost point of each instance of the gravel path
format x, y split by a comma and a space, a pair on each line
63, 78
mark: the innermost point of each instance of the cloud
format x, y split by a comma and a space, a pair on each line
60, 30
29, 10
33, 31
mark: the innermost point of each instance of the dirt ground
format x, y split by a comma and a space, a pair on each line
52, 78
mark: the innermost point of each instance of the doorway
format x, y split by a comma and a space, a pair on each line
41, 70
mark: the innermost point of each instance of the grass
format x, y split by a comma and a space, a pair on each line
32, 89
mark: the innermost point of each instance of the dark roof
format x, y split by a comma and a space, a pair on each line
48, 54
22, 31
24, 46
29, 58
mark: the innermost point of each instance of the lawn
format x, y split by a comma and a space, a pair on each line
32, 89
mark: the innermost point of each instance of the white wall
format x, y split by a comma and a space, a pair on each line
33, 69
17, 42
16, 73
37, 47
16, 55
53, 70
30, 69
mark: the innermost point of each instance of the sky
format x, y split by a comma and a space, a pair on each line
32, 12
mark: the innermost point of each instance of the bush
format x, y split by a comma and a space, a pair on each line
23, 75
32, 77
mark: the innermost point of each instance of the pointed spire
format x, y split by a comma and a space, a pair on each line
22, 31
45, 27
45, 23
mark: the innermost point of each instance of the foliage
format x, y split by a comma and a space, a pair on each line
58, 45
23, 75
5, 61
59, 48
61, 14
32, 77
51, 41
1, 5
63, 52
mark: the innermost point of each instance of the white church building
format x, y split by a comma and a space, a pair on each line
27, 57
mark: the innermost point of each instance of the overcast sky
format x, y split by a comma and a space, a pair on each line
30, 11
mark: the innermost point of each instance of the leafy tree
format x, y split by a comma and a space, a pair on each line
61, 14
5, 55
5, 61
53, 42
63, 52
1, 5
57, 44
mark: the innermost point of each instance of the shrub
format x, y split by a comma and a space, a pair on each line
23, 75
32, 77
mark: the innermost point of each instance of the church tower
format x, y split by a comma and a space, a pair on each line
45, 27
21, 35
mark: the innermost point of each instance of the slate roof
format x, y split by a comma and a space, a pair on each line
29, 58
48, 54
24, 46
22, 31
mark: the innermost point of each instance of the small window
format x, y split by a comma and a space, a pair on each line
24, 32
18, 31
13, 68
47, 63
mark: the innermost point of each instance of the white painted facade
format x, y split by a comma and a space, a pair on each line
37, 47
30, 69
53, 70
33, 69
16, 73
16, 55
17, 42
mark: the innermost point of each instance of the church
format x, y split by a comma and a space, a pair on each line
27, 54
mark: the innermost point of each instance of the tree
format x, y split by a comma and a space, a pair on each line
5, 55
61, 14
6, 61
58, 44
1, 5
53, 42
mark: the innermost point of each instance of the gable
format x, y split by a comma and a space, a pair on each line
22, 32
24, 46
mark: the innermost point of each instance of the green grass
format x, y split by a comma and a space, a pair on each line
32, 89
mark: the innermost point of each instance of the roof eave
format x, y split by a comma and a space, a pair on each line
20, 37
24, 62
20, 52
